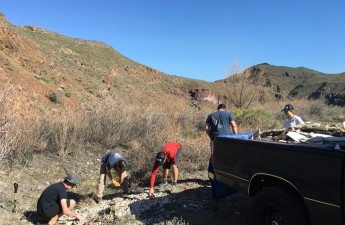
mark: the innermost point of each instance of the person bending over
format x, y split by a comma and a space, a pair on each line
116, 161
168, 156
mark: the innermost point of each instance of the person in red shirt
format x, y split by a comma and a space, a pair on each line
168, 156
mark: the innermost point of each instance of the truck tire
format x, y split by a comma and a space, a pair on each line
277, 206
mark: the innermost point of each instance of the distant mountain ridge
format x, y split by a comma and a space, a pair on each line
48, 69
300, 82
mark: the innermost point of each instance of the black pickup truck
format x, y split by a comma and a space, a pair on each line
289, 183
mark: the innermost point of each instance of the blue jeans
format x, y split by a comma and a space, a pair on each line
218, 189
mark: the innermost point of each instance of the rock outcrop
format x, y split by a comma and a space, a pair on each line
206, 95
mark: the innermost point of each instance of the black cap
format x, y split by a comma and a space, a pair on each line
160, 158
288, 107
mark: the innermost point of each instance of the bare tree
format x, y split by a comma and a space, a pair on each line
241, 89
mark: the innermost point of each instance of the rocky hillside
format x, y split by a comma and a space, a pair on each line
48, 70
300, 82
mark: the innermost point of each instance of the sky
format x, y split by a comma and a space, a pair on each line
199, 39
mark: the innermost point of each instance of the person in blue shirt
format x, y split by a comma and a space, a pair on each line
116, 161
217, 124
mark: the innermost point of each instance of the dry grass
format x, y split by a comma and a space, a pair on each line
140, 129
136, 107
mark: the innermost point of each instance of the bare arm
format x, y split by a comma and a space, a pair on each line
207, 130
67, 211
233, 127
109, 174
123, 175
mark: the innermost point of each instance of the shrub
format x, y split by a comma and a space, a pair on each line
140, 130
253, 119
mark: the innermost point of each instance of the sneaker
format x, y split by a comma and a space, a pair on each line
163, 184
174, 188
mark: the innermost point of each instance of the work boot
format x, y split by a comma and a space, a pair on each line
125, 186
97, 199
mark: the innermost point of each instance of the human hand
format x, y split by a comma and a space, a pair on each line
150, 194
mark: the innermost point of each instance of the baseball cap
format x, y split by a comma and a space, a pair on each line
160, 158
288, 107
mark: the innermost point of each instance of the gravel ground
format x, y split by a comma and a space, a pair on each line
191, 204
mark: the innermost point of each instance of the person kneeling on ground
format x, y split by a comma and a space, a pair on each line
168, 156
116, 161
53, 202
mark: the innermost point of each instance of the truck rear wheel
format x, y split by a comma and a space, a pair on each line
277, 206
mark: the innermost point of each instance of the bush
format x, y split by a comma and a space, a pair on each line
140, 130
253, 119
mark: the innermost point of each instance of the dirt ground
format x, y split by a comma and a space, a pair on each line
192, 203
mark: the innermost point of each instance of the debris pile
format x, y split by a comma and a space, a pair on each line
310, 133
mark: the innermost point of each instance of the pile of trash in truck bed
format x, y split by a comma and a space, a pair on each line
331, 136
309, 133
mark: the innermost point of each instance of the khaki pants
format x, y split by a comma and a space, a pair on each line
103, 173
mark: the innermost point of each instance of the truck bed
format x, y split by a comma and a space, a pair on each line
315, 171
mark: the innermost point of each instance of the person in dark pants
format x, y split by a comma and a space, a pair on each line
169, 156
218, 123
53, 201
